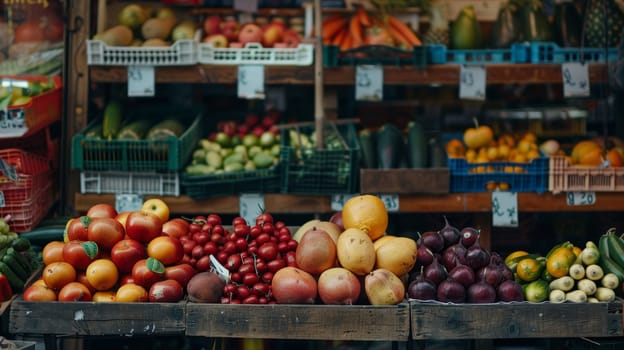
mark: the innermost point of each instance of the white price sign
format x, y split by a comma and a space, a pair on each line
251, 81
338, 201
391, 201
369, 82
128, 202
575, 77
250, 205
504, 209
472, 79
219, 269
141, 81
581, 198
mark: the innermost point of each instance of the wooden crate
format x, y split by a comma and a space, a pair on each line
91, 318
312, 322
433, 320
405, 181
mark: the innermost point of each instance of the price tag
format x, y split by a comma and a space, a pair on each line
8, 170
575, 77
141, 81
504, 209
472, 80
251, 81
250, 206
219, 269
338, 201
369, 82
246, 5
2, 201
391, 201
581, 198
128, 202
12, 122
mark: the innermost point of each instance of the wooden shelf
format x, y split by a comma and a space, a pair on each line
425, 203
345, 75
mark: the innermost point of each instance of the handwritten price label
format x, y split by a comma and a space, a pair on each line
581, 198
472, 80
251, 81
141, 81
504, 209
128, 202
8, 171
338, 201
369, 82
391, 201
575, 77
250, 206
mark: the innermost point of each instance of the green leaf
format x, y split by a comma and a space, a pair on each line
155, 266
91, 248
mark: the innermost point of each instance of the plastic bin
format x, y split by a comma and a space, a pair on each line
162, 184
254, 53
439, 54
520, 177
42, 110
205, 186
166, 155
565, 178
307, 170
180, 53
374, 54
547, 52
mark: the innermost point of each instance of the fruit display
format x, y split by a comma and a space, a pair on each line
361, 28
18, 260
226, 31
451, 266
251, 145
14, 94
138, 26
589, 152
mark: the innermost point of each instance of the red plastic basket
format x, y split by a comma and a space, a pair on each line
25, 215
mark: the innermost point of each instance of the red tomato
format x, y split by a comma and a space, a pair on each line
167, 291
29, 32
122, 217
74, 291
181, 273
76, 228
147, 272
125, 279
143, 226
126, 253
82, 278
168, 250
39, 292
80, 254
102, 210
176, 227
105, 232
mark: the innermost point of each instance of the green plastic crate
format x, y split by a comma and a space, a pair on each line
166, 155
256, 181
307, 170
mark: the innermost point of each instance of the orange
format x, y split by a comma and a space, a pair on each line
559, 261
478, 137
581, 148
52, 252
455, 148
131, 293
102, 274
529, 269
615, 158
367, 213
58, 274
104, 296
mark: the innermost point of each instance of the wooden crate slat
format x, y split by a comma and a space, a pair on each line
515, 320
313, 322
405, 181
91, 318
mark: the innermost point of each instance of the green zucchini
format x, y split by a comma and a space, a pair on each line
135, 130
111, 122
390, 146
21, 259
18, 269
16, 283
616, 249
166, 128
21, 244
368, 142
416, 145
44, 235
610, 266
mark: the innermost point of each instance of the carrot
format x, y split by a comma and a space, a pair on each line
399, 38
363, 17
338, 38
404, 30
356, 31
332, 25
347, 42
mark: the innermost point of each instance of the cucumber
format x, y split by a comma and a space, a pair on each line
44, 235
603, 248
12, 263
16, 283
368, 142
21, 244
390, 146
416, 145
135, 130
616, 249
111, 123
21, 259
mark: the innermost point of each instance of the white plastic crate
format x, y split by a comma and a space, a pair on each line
181, 52
254, 53
163, 184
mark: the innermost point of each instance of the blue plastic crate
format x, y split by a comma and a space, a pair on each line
547, 52
439, 54
521, 177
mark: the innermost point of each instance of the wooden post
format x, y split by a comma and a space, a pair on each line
319, 113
